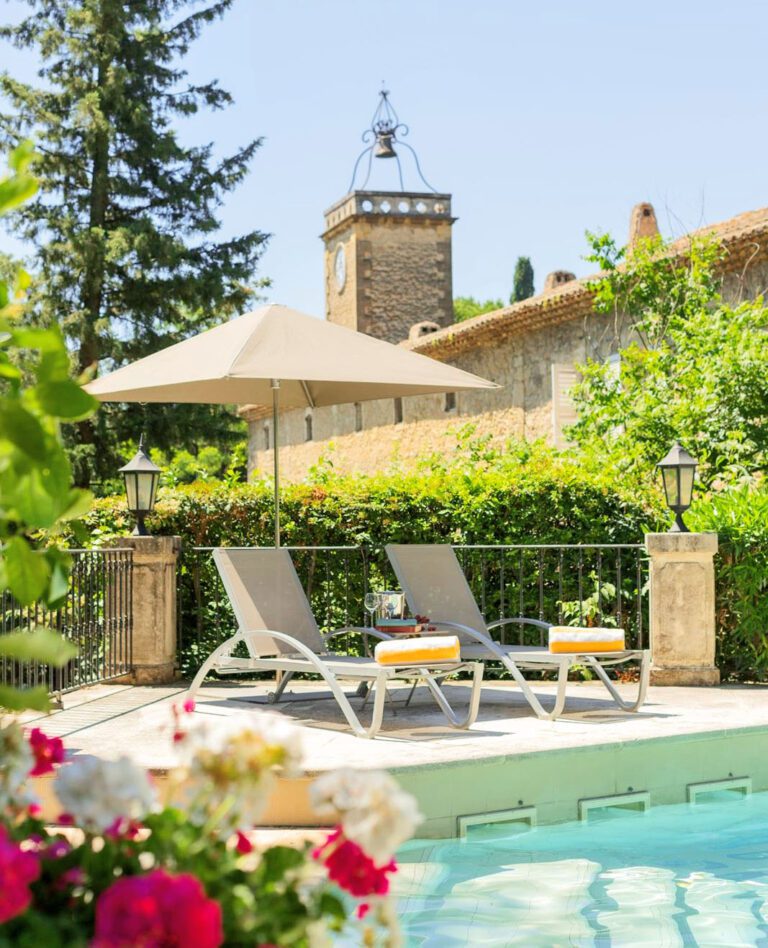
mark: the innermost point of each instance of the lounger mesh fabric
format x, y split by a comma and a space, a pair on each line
274, 598
439, 588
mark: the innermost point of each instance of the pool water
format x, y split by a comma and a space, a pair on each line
676, 875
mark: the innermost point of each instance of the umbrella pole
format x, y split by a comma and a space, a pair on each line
276, 455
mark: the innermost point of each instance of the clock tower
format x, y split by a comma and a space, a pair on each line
388, 253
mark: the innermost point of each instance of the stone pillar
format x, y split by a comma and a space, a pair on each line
154, 607
682, 608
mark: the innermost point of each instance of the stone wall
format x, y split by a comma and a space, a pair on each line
521, 408
515, 347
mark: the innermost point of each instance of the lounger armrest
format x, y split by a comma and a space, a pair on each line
358, 630
520, 620
298, 646
478, 636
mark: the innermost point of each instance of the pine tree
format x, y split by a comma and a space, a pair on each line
125, 224
523, 285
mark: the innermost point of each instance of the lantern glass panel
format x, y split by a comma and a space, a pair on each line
146, 491
131, 490
686, 486
671, 486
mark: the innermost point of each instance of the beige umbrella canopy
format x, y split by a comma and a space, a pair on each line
280, 356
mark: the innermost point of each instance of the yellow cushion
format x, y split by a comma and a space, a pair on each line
424, 650
565, 639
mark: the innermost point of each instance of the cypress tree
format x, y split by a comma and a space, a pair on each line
124, 227
523, 285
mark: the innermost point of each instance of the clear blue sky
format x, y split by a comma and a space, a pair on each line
542, 119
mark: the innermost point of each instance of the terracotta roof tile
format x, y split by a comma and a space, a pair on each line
744, 237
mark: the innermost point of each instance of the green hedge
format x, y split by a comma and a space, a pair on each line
536, 498
541, 499
740, 518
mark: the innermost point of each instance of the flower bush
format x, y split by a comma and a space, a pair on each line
131, 867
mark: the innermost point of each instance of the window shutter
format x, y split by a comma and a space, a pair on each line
564, 377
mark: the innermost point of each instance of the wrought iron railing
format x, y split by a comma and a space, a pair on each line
569, 584
96, 617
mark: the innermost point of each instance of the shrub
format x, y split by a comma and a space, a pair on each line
740, 518
532, 496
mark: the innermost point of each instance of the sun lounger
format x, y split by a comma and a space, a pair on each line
276, 625
435, 586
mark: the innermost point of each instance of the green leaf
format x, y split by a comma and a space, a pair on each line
78, 505
60, 564
26, 571
38, 645
22, 156
24, 699
15, 191
34, 499
8, 371
65, 399
22, 428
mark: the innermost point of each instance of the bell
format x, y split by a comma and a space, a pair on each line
384, 147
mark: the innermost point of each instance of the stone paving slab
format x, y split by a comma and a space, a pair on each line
109, 720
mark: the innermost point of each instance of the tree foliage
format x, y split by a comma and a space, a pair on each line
523, 283
36, 496
465, 307
693, 367
125, 225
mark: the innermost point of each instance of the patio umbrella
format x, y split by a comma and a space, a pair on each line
280, 356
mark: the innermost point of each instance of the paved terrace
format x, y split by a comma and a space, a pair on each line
508, 759
109, 720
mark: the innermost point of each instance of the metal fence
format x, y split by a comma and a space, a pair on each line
96, 617
567, 584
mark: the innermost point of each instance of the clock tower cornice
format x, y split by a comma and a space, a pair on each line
387, 207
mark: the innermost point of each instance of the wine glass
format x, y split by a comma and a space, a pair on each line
371, 602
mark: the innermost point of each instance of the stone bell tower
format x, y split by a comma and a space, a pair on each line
388, 253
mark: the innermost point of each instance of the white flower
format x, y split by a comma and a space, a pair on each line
16, 761
229, 766
263, 729
374, 812
97, 792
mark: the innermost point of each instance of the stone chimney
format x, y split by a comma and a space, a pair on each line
424, 328
557, 278
642, 224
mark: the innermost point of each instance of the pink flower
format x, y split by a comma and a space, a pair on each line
48, 751
58, 848
243, 845
351, 869
188, 706
123, 828
18, 869
157, 910
74, 876
66, 819
34, 810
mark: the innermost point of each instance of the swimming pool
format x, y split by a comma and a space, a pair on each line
674, 876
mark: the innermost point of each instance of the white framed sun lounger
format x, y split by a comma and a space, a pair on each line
276, 625
434, 584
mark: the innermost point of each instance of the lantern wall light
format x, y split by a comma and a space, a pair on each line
141, 480
678, 470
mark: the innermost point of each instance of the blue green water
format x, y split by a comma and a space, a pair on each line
675, 876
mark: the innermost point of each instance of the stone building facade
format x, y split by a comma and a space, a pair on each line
530, 349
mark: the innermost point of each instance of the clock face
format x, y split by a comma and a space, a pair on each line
340, 267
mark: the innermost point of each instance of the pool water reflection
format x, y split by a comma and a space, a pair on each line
675, 876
